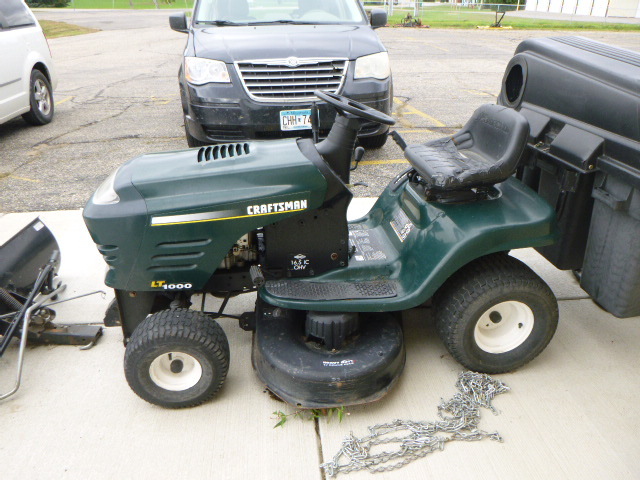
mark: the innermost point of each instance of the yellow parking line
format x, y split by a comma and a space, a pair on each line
382, 162
411, 110
65, 100
417, 130
437, 47
479, 93
160, 101
24, 179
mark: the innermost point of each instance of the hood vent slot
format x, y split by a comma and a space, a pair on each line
186, 244
225, 150
109, 253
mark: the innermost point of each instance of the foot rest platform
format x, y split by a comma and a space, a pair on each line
303, 290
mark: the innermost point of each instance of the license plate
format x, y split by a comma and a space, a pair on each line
295, 120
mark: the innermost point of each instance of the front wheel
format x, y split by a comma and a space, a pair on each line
495, 314
177, 358
192, 141
40, 99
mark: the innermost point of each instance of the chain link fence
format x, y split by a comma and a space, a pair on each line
394, 7
131, 4
444, 14
568, 10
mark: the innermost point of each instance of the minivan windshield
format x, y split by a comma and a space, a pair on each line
261, 12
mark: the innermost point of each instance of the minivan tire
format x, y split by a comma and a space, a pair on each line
40, 99
376, 141
191, 140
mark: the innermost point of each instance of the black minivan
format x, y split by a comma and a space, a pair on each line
250, 67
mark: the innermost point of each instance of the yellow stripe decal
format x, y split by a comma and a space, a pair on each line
225, 218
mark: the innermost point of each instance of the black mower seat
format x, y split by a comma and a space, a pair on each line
485, 152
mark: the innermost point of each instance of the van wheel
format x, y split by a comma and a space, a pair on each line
495, 314
377, 141
41, 100
177, 358
194, 142
191, 140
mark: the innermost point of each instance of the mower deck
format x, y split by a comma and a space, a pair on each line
307, 374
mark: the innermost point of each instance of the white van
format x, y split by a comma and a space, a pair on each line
27, 76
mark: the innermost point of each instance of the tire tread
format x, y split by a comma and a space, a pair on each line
179, 324
496, 271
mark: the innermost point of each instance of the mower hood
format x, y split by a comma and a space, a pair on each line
178, 213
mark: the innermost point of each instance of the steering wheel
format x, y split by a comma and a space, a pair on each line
346, 105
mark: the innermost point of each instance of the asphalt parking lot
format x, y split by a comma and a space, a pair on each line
117, 98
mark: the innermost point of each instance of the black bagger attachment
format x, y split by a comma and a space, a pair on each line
582, 99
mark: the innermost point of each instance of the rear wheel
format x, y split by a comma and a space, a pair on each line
495, 314
40, 99
177, 358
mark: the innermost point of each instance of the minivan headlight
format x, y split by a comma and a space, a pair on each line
373, 66
106, 193
199, 71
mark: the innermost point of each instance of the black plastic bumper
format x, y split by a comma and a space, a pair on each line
224, 112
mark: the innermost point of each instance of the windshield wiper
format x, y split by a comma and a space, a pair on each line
271, 22
219, 23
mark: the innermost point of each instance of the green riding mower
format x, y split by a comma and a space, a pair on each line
271, 217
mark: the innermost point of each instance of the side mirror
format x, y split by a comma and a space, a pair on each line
178, 22
378, 18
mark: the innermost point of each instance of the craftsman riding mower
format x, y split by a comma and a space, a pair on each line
271, 217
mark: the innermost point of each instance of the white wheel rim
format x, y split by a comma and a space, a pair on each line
42, 96
175, 371
504, 327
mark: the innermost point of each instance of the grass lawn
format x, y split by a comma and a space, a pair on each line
61, 29
128, 4
446, 17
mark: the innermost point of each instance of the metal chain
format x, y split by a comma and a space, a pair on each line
459, 417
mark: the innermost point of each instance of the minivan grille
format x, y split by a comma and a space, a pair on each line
291, 79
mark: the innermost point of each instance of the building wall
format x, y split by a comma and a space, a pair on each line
599, 8
584, 7
569, 6
622, 8
596, 8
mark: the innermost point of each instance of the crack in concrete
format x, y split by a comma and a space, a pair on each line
86, 125
323, 475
